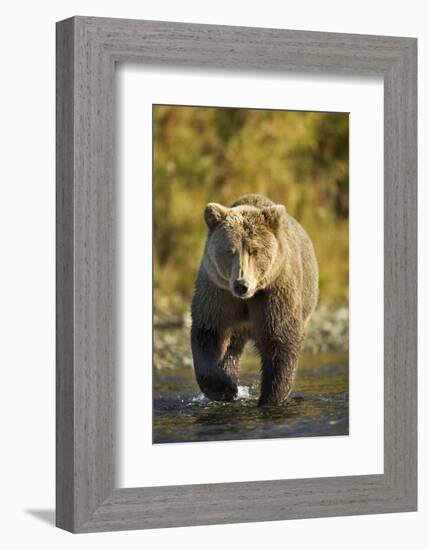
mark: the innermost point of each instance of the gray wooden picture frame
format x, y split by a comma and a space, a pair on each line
87, 50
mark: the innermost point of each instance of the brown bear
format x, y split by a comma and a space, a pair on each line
258, 280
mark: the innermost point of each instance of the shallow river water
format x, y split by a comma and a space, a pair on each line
318, 405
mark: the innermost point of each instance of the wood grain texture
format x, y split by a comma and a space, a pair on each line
87, 50
64, 276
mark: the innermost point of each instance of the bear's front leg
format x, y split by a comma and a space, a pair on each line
215, 362
279, 364
279, 335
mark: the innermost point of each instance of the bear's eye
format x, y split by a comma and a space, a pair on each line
252, 252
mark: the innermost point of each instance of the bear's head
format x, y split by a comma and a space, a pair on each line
242, 248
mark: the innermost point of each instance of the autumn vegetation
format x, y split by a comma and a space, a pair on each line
201, 154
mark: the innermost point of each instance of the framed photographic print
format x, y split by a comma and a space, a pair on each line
236, 274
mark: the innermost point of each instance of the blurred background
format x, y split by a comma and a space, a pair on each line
299, 159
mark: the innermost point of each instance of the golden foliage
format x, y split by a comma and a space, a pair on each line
202, 154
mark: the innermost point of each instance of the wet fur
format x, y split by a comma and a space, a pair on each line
285, 275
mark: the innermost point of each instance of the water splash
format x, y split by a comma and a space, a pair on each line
199, 398
243, 392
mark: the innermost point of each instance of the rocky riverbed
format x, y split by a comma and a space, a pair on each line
327, 333
318, 405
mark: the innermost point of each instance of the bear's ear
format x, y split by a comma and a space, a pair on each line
214, 214
273, 215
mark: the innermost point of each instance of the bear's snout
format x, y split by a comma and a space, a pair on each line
240, 287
